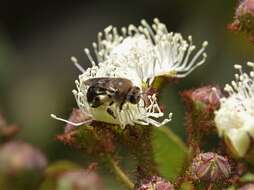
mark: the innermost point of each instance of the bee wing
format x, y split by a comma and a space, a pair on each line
101, 84
101, 81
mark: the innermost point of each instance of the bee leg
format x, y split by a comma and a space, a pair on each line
111, 103
121, 106
110, 112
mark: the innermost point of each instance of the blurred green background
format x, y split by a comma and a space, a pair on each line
37, 39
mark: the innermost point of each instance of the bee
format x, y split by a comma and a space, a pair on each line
106, 90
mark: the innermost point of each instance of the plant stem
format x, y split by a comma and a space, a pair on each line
174, 138
120, 173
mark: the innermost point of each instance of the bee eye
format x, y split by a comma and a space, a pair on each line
132, 99
134, 95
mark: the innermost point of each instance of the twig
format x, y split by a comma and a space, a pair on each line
120, 173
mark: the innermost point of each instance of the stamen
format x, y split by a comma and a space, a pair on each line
89, 57
95, 48
69, 122
193, 65
189, 51
250, 64
132, 30
216, 93
239, 67
75, 92
79, 67
99, 38
124, 31
147, 26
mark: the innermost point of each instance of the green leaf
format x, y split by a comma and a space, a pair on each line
170, 153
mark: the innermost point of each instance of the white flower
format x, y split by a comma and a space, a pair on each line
139, 54
148, 51
235, 118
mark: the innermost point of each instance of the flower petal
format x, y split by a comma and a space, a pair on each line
238, 141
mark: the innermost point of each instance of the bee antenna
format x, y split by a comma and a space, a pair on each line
147, 93
69, 122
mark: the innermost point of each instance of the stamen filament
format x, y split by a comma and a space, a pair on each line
69, 122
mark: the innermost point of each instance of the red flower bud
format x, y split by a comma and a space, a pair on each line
21, 166
210, 167
80, 180
201, 104
245, 7
76, 116
244, 19
208, 96
19, 156
156, 183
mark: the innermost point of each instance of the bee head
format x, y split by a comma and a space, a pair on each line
134, 95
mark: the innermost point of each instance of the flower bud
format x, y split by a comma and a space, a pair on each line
247, 187
155, 183
201, 104
245, 7
76, 116
21, 165
54, 170
210, 167
244, 18
80, 180
206, 97
60, 167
